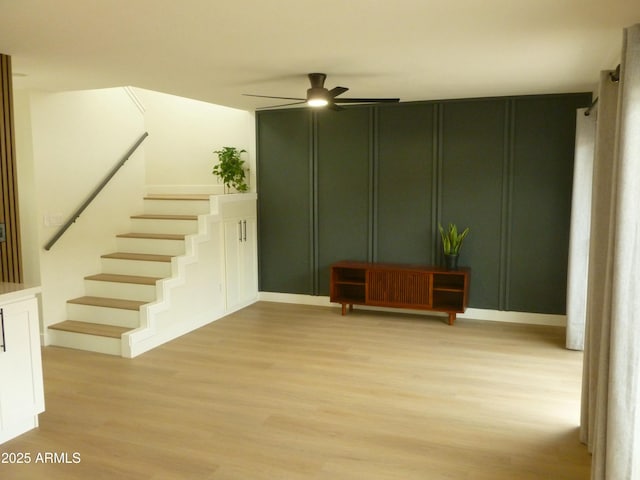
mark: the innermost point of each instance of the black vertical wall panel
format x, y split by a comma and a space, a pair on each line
543, 147
284, 201
343, 178
404, 183
472, 160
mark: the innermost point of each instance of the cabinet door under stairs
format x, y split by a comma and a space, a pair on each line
240, 261
240, 248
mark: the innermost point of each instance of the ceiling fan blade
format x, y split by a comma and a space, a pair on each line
335, 107
366, 100
267, 96
335, 91
282, 105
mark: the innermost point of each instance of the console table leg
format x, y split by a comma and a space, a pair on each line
351, 307
452, 318
344, 309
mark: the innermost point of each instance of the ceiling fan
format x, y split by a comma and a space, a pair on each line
319, 96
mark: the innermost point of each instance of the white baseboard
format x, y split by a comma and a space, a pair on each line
529, 318
471, 313
295, 298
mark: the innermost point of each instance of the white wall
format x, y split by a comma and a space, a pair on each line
183, 134
66, 144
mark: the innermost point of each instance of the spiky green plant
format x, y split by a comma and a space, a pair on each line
230, 168
451, 239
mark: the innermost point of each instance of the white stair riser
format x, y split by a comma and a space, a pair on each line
144, 245
81, 341
117, 317
125, 291
145, 225
136, 267
176, 207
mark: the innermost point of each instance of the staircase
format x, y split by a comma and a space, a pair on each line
138, 279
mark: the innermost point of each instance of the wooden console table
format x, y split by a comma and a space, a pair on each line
400, 286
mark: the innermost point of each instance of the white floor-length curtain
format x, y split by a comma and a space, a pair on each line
611, 384
599, 287
580, 228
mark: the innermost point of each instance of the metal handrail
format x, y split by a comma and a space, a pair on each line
95, 193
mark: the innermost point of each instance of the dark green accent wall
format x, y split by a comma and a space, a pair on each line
405, 184
472, 182
372, 183
343, 158
543, 141
285, 209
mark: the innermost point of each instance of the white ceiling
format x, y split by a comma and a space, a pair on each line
215, 50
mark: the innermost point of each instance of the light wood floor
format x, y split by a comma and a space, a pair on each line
296, 392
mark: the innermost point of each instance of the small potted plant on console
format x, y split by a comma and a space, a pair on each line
451, 243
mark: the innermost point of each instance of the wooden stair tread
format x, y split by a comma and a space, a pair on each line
145, 257
88, 328
154, 236
178, 196
112, 277
108, 302
149, 216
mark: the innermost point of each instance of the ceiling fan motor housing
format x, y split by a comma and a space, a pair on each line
317, 79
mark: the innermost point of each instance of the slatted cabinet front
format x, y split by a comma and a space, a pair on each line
402, 288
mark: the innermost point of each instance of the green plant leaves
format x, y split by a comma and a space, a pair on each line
230, 168
451, 239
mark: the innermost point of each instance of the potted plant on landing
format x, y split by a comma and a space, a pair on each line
451, 243
230, 168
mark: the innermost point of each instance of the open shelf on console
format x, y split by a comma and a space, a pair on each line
450, 281
350, 275
348, 284
448, 300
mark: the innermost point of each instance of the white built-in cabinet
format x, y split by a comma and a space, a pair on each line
241, 259
21, 385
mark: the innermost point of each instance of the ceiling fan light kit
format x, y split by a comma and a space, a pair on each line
319, 96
